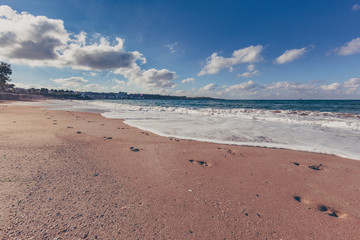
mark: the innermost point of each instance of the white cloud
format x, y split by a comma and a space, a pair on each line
251, 71
290, 55
331, 87
188, 80
349, 89
245, 55
120, 82
248, 74
209, 87
290, 86
93, 85
24, 37
180, 93
251, 67
242, 86
242, 90
71, 82
93, 74
100, 55
30, 85
78, 84
159, 78
355, 7
352, 85
171, 47
149, 79
349, 48
41, 41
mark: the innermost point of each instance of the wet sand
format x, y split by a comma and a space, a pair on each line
71, 175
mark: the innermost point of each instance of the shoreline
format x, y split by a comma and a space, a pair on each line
267, 140
233, 143
80, 175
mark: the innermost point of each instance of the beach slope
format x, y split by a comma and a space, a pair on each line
72, 175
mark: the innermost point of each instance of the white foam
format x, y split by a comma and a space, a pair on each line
330, 133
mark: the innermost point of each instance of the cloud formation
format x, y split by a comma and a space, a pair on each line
71, 82
289, 86
349, 87
290, 55
355, 7
149, 79
331, 87
41, 41
251, 71
242, 86
352, 85
188, 80
215, 63
209, 87
349, 48
243, 90
282, 90
171, 47
26, 38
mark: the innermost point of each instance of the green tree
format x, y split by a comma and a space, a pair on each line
5, 72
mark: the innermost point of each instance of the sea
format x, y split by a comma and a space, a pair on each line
321, 126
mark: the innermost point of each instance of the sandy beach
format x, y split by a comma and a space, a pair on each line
74, 175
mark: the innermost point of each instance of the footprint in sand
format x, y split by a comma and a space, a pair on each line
330, 211
322, 208
134, 149
318, 167
229, 151
201, 163
302, 200
176, 140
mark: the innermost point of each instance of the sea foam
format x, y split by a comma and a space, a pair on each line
321, 132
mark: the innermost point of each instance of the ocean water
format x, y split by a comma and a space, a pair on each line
322, 126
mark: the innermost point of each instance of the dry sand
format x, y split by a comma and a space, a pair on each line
70, 175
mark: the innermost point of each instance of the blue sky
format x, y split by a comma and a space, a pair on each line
244, 49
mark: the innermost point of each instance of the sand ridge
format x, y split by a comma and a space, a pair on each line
71, 175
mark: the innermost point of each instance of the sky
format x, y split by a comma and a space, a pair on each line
233, 49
